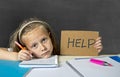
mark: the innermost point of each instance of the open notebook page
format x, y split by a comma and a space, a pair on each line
48, 62
89, 69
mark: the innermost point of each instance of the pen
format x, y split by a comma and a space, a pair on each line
79, 58
100, 62
23, 48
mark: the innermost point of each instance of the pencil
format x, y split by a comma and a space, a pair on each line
23, 48
80, 74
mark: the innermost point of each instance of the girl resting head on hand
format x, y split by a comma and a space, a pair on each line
37, 38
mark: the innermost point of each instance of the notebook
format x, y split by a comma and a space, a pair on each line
11, 69
48, 62
88, 69
115, 58
62, 71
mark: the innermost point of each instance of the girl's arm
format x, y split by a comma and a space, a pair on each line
8, 55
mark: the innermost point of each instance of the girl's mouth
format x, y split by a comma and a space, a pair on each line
45, 54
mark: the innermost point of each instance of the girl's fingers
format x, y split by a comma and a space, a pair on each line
98, 45
98, 40
24, 55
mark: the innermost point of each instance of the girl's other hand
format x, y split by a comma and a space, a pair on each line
98, 44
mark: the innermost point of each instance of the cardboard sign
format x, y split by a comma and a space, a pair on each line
79, 43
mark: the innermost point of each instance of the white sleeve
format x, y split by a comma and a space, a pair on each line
10, 49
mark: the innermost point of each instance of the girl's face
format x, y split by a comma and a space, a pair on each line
38, 42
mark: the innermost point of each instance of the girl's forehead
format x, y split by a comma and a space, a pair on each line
37, 31
40, 28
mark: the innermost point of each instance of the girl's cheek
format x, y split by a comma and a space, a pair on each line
37, 54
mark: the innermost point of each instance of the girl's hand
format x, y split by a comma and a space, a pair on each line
98, 44
24, 55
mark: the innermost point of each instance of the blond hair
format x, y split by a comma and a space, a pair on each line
27, 26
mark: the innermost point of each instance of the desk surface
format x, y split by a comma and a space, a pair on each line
64, 70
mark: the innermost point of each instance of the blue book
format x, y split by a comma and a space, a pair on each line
116, 58
11, 69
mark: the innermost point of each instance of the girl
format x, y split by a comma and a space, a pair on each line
37, 38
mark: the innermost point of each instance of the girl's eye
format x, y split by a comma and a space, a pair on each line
44, 40
34, 45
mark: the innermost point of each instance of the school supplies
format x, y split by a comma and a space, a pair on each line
64, 70
100, 62
48, 62
75, 69
11, 69
23, 48
115, 58
87, 69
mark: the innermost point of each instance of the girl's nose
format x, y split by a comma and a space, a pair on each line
42, 47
